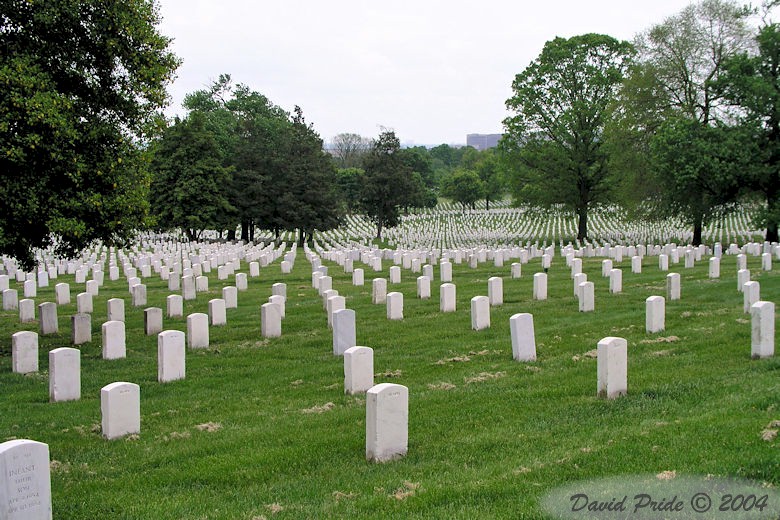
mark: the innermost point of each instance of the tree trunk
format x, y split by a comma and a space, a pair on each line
245, 230
773, 212
301, 237
487, 204
379, 231
697, 227
251, 231
582, 225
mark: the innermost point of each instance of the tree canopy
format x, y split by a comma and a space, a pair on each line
553, 144
81, 84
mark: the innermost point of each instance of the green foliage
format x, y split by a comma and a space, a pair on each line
698, 167
188, 188
388, 183
81, 83
488, 168
349, 181
280, 177
465, 187
753, 84
553, 145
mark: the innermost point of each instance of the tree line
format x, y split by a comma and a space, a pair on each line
684, 120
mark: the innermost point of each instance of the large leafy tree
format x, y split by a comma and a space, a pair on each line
488, 169
310, 197
753, 83
348, 149
554, 142
700, 168
465, 187
387, 182
188, 190
81, 84
676, 75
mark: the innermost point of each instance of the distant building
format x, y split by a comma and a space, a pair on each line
482, 141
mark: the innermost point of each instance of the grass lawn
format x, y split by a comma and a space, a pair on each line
262, 427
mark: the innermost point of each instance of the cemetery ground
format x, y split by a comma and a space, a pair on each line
262, 428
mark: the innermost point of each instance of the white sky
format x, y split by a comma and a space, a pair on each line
431, 70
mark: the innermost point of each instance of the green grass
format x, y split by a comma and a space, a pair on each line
493, 448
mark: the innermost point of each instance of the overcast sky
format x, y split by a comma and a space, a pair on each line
431, 70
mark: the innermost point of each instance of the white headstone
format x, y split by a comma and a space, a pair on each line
387, 422
217, 312
25, 485
762, 344
114, 344
516, 269
521, 328
49, 322
281, 301
445, 272
230, 295
334, 303
170, 355
344, 332
655, 314
242, 283
153, 321
423, 287
663, 262
616, 281
743, 276
62, 294
612, 367
270, 320
115, 309
395, 274
540, 286
496, 291
10, 300
751, 294
81, 329
480, 313
395, 306
64, 374
357, 277
201, 284
673, 286
188, 288
30, 289
447, 301
198, 330
24, 352
358, 370
606, 267
26, 310
636, 264
84, 303
714, 267
254, 269
379, 291
175, 306
120, 405
578, 280
587, 297
279, 289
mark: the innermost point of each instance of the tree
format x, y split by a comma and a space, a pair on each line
82, 84
348, 149
310, 197
349, 181
464, 186
386, 182
188, 187
699, 166
554, 144
488, 170
753, 84
679, 65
